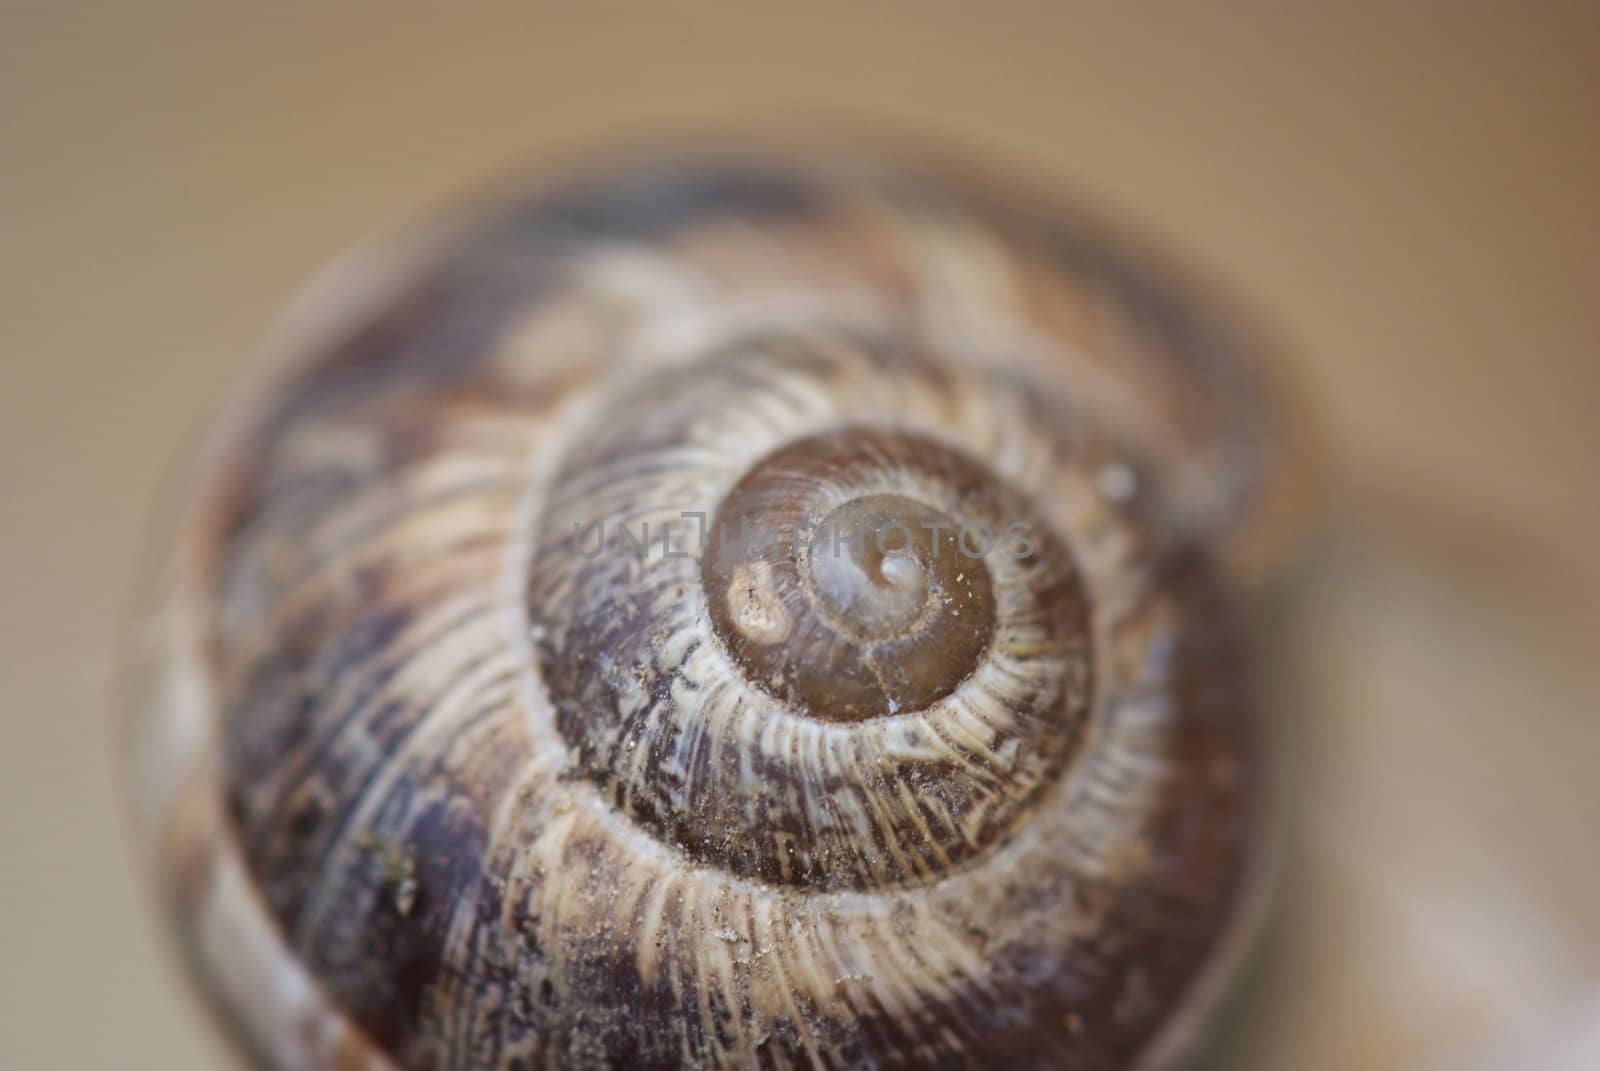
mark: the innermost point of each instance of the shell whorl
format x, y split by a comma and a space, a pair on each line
725, 612
721, 688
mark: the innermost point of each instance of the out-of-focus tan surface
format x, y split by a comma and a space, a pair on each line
1413, 198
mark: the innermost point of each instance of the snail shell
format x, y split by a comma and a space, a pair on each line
723, 610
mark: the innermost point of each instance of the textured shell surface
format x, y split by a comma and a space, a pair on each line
722, 609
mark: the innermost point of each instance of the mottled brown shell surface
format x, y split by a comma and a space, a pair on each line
723, 610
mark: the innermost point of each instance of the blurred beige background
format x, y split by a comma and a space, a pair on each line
1413, 197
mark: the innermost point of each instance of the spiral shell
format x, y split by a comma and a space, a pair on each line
723, 610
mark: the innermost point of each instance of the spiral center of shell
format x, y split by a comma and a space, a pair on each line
845, 605
812, 651
871, 564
